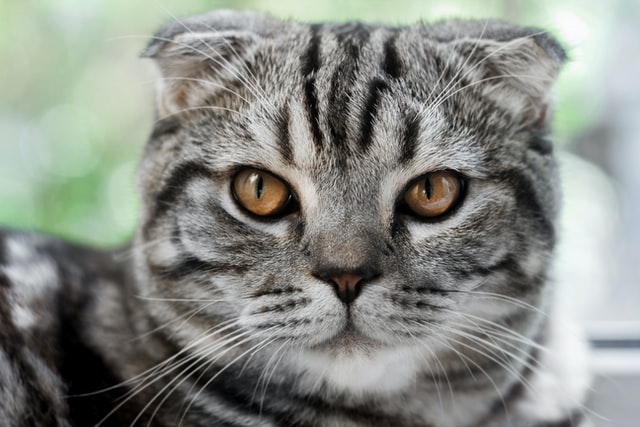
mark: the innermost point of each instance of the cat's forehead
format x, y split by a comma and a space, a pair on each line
345, 94
327, 98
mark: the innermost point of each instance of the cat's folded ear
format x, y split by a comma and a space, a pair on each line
516, 67
199, 55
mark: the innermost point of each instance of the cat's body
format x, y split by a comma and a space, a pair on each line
348, 301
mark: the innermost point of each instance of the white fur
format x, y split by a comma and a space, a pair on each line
23, 318
36, 279
381, 371
561, 384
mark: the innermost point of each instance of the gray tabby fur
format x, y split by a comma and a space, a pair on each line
214, 317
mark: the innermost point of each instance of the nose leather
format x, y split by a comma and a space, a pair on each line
347, 286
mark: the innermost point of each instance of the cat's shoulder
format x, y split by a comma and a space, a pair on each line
31, 274
31, 283
35, 267
46, 287
27, 255
44, 279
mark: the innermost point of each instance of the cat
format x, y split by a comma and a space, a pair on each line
342, 224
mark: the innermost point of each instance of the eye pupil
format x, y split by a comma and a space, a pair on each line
428, 188
259, 187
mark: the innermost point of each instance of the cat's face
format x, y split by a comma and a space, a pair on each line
344, 188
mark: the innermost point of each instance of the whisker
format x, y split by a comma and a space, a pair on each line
254, 80
205, 82
444, 93
516, 335
436, 381
210, 301
255, 89
165, 367
225, 65
482, 81
205, 108
464, 357
268, 379
491, 355
127, 254
195, 365
193, 360
265, 342
523, 361
519, 303
188, 315
453, 81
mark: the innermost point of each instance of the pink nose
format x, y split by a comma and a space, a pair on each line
347, 286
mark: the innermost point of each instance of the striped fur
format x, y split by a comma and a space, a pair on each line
215, 317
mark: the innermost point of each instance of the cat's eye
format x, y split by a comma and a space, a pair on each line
434, 194
261, 193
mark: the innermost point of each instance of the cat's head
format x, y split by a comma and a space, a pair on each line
344, 189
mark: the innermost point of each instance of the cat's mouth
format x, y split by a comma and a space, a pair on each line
348, 339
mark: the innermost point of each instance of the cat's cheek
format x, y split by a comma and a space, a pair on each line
306, 318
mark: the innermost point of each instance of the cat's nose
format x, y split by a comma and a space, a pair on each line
347, 286
346, 282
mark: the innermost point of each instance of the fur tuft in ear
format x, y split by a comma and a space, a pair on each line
198, 55
515, 67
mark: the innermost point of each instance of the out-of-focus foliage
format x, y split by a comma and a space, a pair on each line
76, 102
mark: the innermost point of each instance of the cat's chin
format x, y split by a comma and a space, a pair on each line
351, 362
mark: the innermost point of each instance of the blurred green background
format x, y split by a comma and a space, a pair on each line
76, 102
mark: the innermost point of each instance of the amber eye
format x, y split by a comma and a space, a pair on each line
434, 194
261, 193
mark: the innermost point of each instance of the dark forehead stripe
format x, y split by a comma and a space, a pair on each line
336, 113
409, 141
376, 87
283, 135
391, 63
310, 64
351, 37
